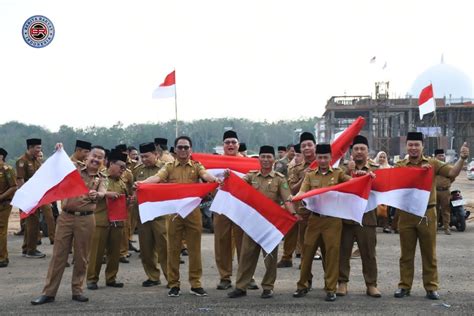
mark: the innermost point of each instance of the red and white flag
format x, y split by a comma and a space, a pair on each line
158, 199
342, 143
56, 179
217, 164
407, 189
426, 101
259, 217
346, 200
167, 89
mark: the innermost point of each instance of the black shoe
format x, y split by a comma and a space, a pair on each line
23, 253
181, 261
132, 247
174, 292
267, 294
224, 285
252, 285
149, 283
330, 297
184, 252
128, 255
35, 254
432, 295
132, 241
124, 260
80, 298
4, 264
401, 293
236, 293
310, 285
19, 233
198, 291
300, 293
68, 264
114, 284
92, 286
298, 255
43, 299
104, 259
285, 264
51, 242
38, 242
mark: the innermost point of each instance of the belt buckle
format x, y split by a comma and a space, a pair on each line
77, 213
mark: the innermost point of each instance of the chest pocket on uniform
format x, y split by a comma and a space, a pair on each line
315, 183
273, 187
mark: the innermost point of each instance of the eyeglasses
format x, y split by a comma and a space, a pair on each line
185, 147
229, 142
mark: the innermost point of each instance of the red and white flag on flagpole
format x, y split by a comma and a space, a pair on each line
56, 179
341, 144
346, 200
259, 217
158, 199
426, 101
167, 89
407, 189
217, 164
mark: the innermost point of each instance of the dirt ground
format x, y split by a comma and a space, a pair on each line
24, 278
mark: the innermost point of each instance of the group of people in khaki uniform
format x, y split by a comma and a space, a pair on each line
85, 228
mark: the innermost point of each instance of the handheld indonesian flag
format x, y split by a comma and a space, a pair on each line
217, 164
346, 200
117, 209
158, 199
426, 101
167, 89
56, 179
341, 144
259, 217
407, 189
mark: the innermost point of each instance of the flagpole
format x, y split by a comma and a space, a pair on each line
176, 104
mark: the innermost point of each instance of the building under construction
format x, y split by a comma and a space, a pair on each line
389, 120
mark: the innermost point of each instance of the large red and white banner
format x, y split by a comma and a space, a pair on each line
217, 164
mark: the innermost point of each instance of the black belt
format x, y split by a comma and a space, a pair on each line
442, 189
80, 213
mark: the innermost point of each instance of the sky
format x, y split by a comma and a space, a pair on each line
257, 59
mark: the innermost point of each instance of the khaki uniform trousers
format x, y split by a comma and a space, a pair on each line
224, 229
366, 237
290, 243
133, 218
104, 237
443, 207
5, 210
153, 247
329, 230
124, 241
76, 231
189, 229
250, 252
31, 236
413, 228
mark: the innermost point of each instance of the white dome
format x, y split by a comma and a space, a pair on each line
448, 81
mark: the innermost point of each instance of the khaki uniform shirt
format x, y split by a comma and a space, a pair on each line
295, 174
142, 172
166, 156
26, 167
273, 185
316, 180
83, 203
80, 163
131, 163
7, 180
281, 166
443, 183
440, 169
101, 213
176, 172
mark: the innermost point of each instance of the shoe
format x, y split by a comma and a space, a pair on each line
124, 260
267, 294
298, 255
114, 284
4, 264
181, 261
51, 242
39, 242
23, 253
68, 264
284, 264
237, 293
104, 259
174, 292
35, 254
132, 241
310, 285
224, 285
432, 295
387, 230
80, 298
43, 299
198, 291
149, 283
355, 254
20, 233
342, 289
299, 266
132, 247
300, 293
317, 257
330, 297
128, 255
447, 231
184, 252
252, 285
401, 293
92, 286
372, 291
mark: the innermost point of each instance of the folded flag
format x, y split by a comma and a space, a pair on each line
167, 89
117, 208
346, 200
158, 199
407, 189
259, 217
56, 179
217, 164
342, 143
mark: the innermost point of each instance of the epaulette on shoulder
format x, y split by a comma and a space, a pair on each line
138, 165
103, 174
253, 171
279, 174
373, 164
7, 167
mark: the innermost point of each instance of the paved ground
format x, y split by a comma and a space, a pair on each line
24, 279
